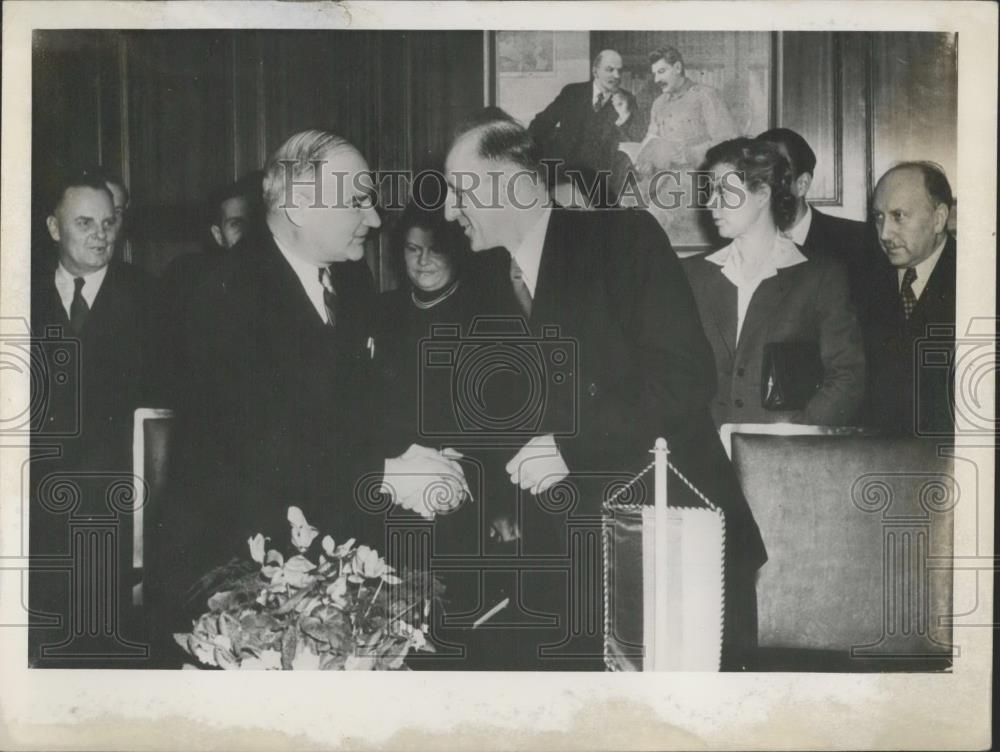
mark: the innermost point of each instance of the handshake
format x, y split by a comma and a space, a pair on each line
429, 482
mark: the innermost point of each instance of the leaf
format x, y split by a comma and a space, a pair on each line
391, 579
315, 628
221, 601
226, 660
291, 603
332, 662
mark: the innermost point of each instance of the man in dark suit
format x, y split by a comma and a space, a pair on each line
610, 284
818, 233
582, 127
912, 303
104, 311
276, 349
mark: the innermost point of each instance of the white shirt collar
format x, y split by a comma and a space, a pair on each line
924, 270
66, 286
800, 232
747, 274
529, 254
308, 274
598, 91
783, 254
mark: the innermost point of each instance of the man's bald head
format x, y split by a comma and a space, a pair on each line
911, 205
607, 70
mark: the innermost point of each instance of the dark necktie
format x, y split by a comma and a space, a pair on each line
906, 291
78, 308
329, 296
521, 291
599, 102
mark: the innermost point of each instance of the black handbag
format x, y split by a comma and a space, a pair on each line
792, 372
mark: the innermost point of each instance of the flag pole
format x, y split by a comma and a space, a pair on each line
660, 647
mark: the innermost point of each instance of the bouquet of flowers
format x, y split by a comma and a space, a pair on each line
348, 611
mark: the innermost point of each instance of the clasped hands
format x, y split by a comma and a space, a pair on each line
428, 481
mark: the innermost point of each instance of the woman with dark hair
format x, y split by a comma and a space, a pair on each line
785, 335
427, 256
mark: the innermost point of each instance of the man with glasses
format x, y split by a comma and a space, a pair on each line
274, 408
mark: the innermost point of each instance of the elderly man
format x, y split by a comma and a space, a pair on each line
815, 231
276, 345
912, 302
685, 120
105, 312
582, 127
610, 284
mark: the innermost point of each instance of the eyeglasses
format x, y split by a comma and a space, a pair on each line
363, 202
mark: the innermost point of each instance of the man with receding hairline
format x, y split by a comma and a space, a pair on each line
275, 348
610, 283
107, 309
912, 299
582, 127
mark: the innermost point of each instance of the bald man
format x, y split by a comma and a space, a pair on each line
912, 302
583, 126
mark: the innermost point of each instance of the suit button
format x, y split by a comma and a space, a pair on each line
739, 403
592, 390
741, 372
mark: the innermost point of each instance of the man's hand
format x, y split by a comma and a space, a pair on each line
620, 102
538, 466
425, 480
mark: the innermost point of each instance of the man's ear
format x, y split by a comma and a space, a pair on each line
302, 199
217, 234
802, 184
941, 212
53, 226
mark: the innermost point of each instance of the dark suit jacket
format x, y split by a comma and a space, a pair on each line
569, 129
904, 398
851, 242
275, 411
86, 395
113, 367
612, 286
806, 302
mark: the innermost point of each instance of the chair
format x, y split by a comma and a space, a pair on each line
150, 452
859, 533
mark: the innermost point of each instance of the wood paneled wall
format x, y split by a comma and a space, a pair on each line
180, 113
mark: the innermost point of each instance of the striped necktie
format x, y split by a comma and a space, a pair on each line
329, 296
521, 291
906, 294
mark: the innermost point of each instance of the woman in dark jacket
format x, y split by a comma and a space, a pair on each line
784, 332
433, 299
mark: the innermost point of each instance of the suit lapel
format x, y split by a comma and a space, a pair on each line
552, 266
938, 292
722, 291
766, 301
